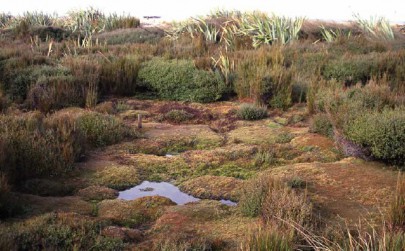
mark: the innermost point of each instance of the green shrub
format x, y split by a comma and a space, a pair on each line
120, 76
58, 232
102, 130
181, 80
251, 112
383, 133
321, 124
284, 137
19, 73
178, 116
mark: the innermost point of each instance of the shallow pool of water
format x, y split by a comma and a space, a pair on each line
164, 189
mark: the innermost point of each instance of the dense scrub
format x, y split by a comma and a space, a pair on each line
181, 80
33, 145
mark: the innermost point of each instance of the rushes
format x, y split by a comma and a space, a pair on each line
396, 211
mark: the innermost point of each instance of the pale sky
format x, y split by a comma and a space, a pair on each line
338, 10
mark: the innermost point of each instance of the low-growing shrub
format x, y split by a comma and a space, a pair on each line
178, 116
321, 124
50, 93
284, 137
251, 112
181, 80
58, 232
130, 36
383, 133
19, 73
102, 130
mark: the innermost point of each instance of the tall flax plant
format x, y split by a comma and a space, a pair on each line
86, 23
375, 27
5, 20
264, 29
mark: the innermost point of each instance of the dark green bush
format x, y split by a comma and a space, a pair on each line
321, 124
46, 33
102, 130
181, 80
351, 70
18, 73
251, 112
120, 76
381, 132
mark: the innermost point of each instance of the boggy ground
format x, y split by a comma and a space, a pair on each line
209, 154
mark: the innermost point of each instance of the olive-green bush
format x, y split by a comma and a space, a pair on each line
181, 80
321, 124
381, 132
101, 130
252, 112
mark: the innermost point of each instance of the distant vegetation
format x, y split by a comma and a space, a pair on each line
350, 77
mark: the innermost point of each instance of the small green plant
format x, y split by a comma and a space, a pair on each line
178, 116
284, 137
265, 157
296, 182
102, 130
321, 124
251, 112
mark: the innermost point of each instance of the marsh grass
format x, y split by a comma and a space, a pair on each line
396, 211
